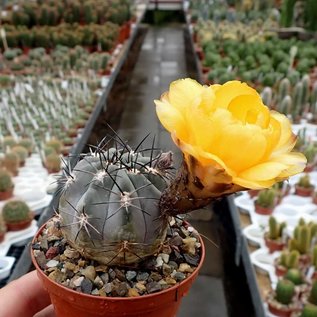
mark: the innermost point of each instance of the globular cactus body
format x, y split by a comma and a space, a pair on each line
285, 291
309, 311
16, 211
109, 206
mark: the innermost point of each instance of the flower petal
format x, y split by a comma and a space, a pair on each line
183, 92
171, 119
228, 91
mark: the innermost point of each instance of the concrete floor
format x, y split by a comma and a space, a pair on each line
162, 60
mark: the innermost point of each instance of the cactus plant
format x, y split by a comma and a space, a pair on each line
304, 187
274, 237
287, 12
265, 201
21, 152
3, 228
109, 205
53, 163
11, 162
285, 291
303, 237
56, 144
17, 215
283, 89
6, 184
295, 276
275, 229
27, 144
313, 294
309, 310
287, 260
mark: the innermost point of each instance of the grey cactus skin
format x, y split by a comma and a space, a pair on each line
109, 206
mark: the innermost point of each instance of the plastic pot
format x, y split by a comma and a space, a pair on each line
69, 303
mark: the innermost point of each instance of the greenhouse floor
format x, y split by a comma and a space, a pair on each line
162, 60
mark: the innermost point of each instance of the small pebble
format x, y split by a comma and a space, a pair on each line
51, 263
57, 276
108, 288
142, 276
71, 253
159, 262
170, 281
167, 269
98, 282
185, 268
189, 245
133, 292
155, 276
130, 275
77, 282
40, 259
179, 276
95, 291
89, 272
105, 278
141, 287
153, 287
165, 257
86, 286
52, 252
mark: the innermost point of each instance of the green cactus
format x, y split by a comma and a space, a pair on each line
284, 89
266, 198
314, 256
3, 227
21, 152
289, 259
302, 237
298, 96
267, 96
311, 15
5, 180
275, 229
310, 152
304, 181
16, 211
27, 144
8, 141
287, 13
55, 144
53, 163
309, 311
109, 205
285, 291
313, 294
11, 161
295, 276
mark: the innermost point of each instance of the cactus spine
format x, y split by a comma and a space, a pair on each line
285, 291
109, 205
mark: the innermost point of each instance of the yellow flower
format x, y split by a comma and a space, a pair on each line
228, 136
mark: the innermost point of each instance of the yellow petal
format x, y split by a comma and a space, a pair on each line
183, 92
287, 138
263, 172
171, 119
228, 91
249, 109
240, 146
246, 183
295, 161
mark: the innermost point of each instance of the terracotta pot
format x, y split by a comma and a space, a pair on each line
309, 168
20, 225
283, 311
253, 192
2, 235
6, 195
303, 191
263, 210
280, 270
273, 245
69, 303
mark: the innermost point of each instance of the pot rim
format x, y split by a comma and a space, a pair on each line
117, 299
